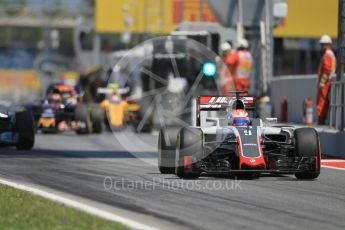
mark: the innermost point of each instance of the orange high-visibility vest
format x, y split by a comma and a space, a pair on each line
327, 68
245, 64
328, 64
232, 61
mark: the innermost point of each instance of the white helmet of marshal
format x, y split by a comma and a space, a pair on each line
225, 46
243, 43
325, 39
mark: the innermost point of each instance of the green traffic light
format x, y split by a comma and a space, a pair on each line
209, 69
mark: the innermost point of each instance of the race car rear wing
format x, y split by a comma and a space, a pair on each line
221, 103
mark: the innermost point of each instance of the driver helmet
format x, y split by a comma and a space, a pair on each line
65, 95
239, 117
54, 99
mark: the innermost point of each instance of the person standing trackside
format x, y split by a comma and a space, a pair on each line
242, 79
226, 49
326, 69
226, 78
240, 65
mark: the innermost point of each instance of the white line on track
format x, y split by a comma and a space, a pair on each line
78, 205
332, 160
331, 167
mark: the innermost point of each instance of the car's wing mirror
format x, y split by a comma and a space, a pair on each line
272, 120
214, 121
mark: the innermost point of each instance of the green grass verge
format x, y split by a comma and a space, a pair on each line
23, 210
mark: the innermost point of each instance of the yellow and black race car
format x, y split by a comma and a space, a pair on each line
118, 111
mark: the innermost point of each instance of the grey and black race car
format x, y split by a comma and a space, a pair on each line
16, 128
250, 148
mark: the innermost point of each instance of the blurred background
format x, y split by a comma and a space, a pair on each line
45, 39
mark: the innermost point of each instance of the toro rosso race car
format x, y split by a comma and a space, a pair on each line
16, 128
63, 110
235, 143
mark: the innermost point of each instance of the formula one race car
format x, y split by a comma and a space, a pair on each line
118, 110
234, 143
63, 110
16, 128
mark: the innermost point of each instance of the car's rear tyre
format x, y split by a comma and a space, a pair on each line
106, 120
146, 127
26, 129
307, 145
83, 119
167, 150
189, 153
96, 119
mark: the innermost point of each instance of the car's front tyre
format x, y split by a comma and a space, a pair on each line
25, 127
83, 118
167, 149
96, 119
307, 145
189, 153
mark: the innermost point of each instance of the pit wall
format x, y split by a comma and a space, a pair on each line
295, 89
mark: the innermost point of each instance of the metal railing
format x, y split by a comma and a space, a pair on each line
337, 105
337, 118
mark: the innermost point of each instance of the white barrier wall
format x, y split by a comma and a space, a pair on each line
295, 89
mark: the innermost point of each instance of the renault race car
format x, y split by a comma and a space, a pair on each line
16, 128
246, 149
118, 110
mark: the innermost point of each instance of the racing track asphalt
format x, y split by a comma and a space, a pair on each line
87, 166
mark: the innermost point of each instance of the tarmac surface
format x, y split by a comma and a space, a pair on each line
120, 171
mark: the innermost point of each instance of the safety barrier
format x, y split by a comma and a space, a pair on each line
337, 105
295, 89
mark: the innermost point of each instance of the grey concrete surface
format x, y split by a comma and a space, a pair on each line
98, 168
332, 143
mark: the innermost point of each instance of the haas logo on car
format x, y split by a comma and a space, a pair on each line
216, 102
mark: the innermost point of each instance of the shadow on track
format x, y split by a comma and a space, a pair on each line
48, 153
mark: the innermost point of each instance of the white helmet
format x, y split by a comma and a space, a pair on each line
243, 43
225, 46
325, 39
